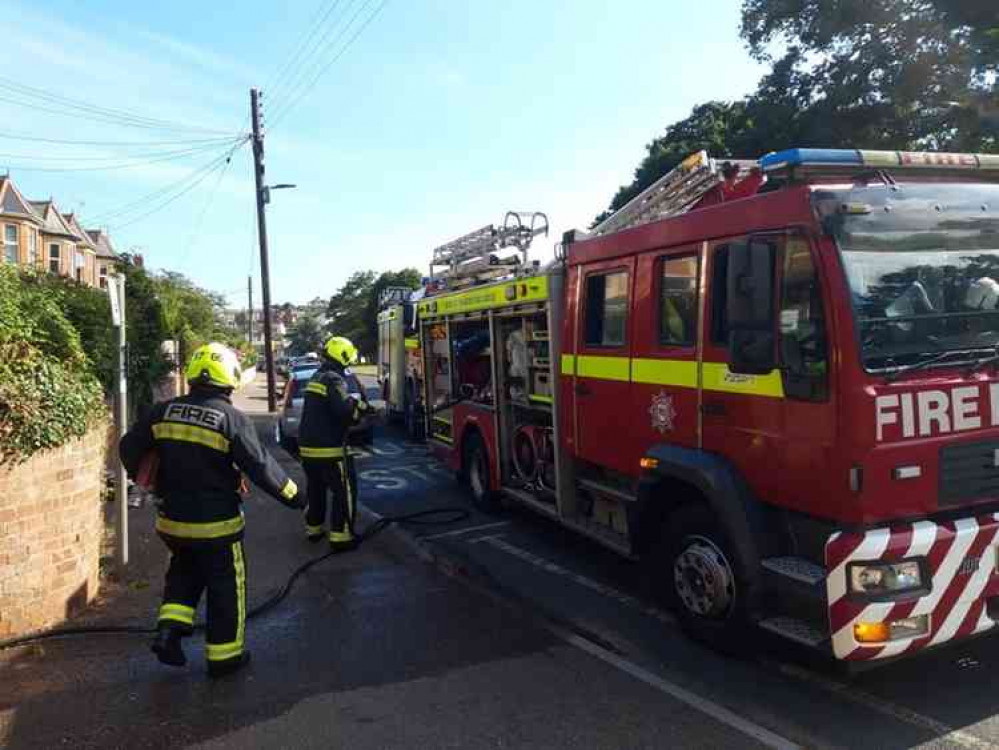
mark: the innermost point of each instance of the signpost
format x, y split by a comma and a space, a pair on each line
116, 294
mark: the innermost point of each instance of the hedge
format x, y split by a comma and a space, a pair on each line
49, 393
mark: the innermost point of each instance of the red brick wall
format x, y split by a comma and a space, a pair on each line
51, 525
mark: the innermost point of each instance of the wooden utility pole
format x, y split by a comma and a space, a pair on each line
265, 276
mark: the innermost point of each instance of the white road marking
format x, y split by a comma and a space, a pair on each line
459, 532
943, 733
710, 708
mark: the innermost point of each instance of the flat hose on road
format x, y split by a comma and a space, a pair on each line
443, 516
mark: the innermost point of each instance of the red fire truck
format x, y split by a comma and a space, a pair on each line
776, 382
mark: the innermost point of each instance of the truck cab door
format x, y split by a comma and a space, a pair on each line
602, 382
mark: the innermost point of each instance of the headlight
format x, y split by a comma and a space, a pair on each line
885, 578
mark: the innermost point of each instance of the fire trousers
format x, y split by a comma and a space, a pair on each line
333, 479
219, 567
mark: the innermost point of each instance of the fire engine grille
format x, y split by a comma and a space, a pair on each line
969, 472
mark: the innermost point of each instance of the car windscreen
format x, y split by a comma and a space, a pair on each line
922, 264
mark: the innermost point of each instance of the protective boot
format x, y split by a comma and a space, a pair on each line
314, 533
218, 669
342, 541
168, 647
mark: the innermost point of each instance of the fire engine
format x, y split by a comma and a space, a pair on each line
774, 381
400, 361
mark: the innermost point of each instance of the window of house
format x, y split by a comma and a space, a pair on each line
54, 258
10, 243
802, 336
32, 247
79, 264
606, 309
103, 272
678, 301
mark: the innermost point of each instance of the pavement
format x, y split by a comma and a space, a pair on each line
388, 646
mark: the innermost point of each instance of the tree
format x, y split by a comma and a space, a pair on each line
305, 336
146, 332
353, 310
880, 73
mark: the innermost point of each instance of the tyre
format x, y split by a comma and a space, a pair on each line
475, 472
701, 578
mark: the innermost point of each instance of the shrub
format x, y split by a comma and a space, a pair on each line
48, 391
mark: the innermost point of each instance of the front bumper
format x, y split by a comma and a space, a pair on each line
961, 565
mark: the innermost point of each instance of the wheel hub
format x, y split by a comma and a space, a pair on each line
703, 579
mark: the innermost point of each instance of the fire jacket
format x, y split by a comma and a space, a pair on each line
327, 415
201, 444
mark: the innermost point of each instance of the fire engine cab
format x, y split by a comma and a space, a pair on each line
774, 381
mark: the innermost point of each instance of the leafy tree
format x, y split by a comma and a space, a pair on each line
305, 336
347, 310
146, 332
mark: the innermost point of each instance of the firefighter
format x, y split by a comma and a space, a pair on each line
198, 444
329, 413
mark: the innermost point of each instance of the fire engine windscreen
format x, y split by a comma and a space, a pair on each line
922, 263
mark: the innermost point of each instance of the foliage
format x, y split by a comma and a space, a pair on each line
146, 332
890, 74
353, 310
305, 336
48, 393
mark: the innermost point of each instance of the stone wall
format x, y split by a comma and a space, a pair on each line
51, 525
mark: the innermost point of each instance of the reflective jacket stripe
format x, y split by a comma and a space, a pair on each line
319, 388
187, 433
209, 530
306, 452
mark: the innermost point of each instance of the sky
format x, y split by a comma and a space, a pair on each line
436, 119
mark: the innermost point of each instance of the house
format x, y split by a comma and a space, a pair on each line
106, 257
20, 227
59, 251
85, 257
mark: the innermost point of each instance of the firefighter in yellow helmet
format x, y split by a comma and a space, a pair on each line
197, 445
329, 413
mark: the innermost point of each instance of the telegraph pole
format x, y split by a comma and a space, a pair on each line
265, 276
249, 311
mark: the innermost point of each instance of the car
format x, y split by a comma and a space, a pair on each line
293, 400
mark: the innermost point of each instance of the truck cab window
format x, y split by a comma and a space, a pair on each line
803, 344
678, 301
719, 296
606, 309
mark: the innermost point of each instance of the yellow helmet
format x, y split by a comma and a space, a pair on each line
214, 364
340, 350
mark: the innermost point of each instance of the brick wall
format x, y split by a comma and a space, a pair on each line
51, 525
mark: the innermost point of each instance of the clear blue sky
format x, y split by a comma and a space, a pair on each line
441, 116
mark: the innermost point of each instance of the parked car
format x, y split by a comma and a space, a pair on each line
294, 399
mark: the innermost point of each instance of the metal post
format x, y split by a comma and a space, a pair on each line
265, 277
249, 311
116, 288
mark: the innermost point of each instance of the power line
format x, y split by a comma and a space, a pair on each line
322, 44
315, 24
143, 201
61, 141
204, 211
68, 107
175, 156
179, 195
119, 157
330, 64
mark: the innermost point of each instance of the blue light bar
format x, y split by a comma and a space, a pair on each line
796, 157
832, 157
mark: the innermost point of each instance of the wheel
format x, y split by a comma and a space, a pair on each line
701, 578
475, 470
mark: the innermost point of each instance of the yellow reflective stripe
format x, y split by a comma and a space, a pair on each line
177, 613
223, 651
676, 372
717, 377
504, 294
679, 373
603, 368
306, 452
317, 388
210, 530
240, 565
339, 537
289, 490
313, 530
412, 343
539, 399
189, 433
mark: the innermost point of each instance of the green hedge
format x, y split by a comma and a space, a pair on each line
49, 393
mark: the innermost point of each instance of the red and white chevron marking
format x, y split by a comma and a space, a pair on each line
956, 601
